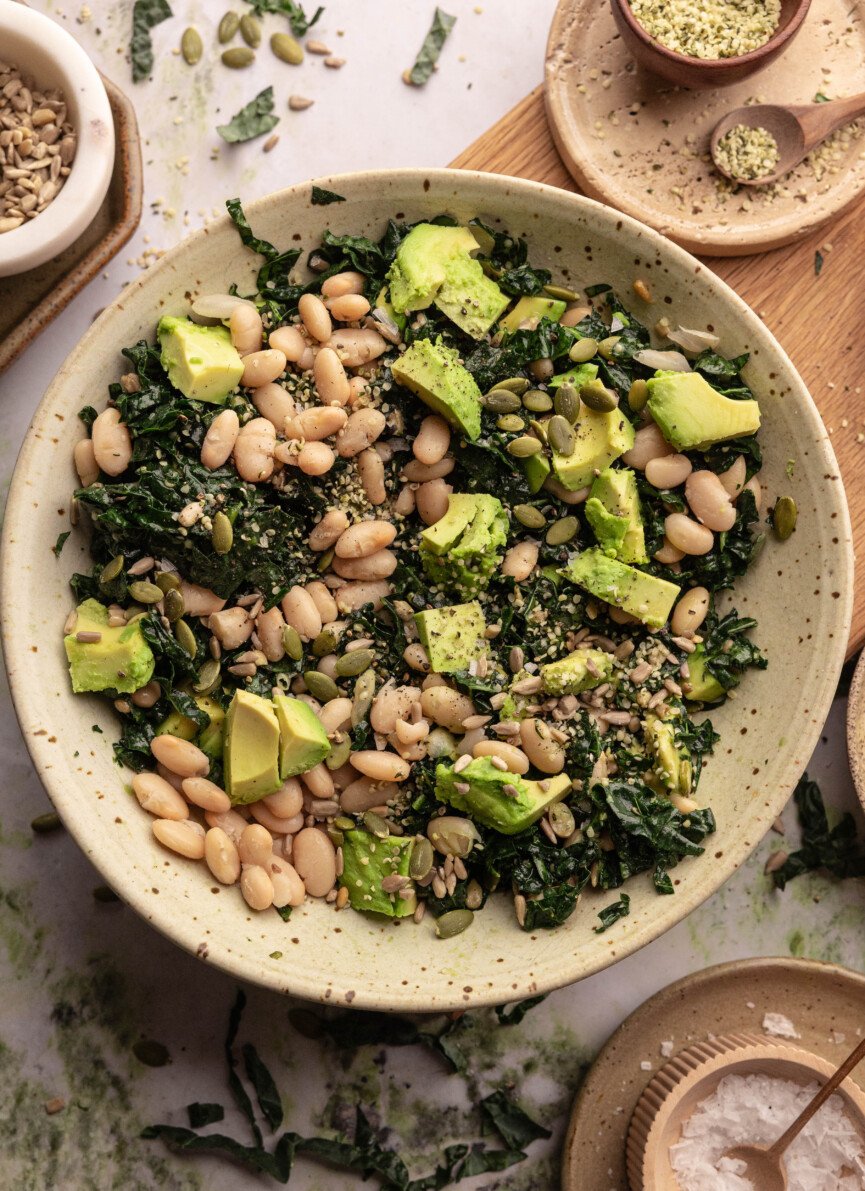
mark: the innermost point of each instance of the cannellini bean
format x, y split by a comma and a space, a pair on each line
380, 766
231, 627
354, 595
288, 888
668, 471
331, 382
316, 423
392, 703
202, 792
232, 823
416, 657
710, 501
516, 759
244, 325
335, 714
542, 751
289, 341
159, 797
85, 462
315, 458
147, 695
173, 779
323, 600
217, 306
357, 347
261, 368
363, 794
733, 478
269, 626
470, 739
256, 844
220, 439
221, 857
299, 610
446, 707
565, 495
325, 534
318, 781
306, 361
417, 472
756, 489
668, 553
348, 308
272, 822
357, 386
186, 837
273, 403
433, 440
253, 450
690, 612
180, 756
200, 601
370, 469
112, 444
380, 565
314, 859
256, 887
364, 538
407, 733
287, 801
315, 317
432, 501
521, 560
688, 535
362, 429
404, 505
649, 443
348, 282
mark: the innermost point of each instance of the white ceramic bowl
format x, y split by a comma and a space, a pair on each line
53, 58
800, 591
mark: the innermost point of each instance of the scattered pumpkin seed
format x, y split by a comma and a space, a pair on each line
560, 432
638, 395
354, 663
228, 26
320, 686
511, 423
287, 48
208, 678
111, 570
421, 861
562, 820
529, 516
250, 30
474, 895
324, 643
453, 923
376, 824
344, 823
501, 401
292, 643
597, 396
562, 294
607, 346
222, 533
364, 689
583, 350
562, 531
325, 561
524, 447
238, 57
567, 403
167, 580
174, 605
335, 836
339, 754
191, 46
784, 517
144, 592
42, 824
514, 384
537, 401
540, 429
186, 638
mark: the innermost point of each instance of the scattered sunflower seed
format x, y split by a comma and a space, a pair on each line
320, 686
250, 30
238, 57
299, 103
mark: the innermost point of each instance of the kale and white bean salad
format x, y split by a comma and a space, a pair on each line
404, 578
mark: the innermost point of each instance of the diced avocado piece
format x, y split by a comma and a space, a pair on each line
672, 763
704, 688
250, 756
200, 361
613, 511
303, 741
490, 803
692, 415
577, 376
601, 437
462, 550
453, 636
121, 660
441, 537
434, 373
533, 308
367, 860
537, 468
469, 298
572, 674
642, 595
210, 740
418, 271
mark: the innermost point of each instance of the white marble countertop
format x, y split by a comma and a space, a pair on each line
83, 981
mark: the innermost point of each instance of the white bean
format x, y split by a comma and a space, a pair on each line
357, 386
649, 443
147, 695
357, 347
299, 610
272, 822
256, 887
335, 714
733, 478
314, 859
318, 781
416, 657
315, 458
433, 440
404, 505
407, 733
244, 325
220, 439
392, 703
288, 888
668, 553
325, 534
362, 429
85, 462
380, 565
380, 766
186, 838
756, 489
261, 368
316, 423
421, 473
565, 495
289, 341
172, 778
668, 471
348, 282
521, 560
287, 801
446, 707
232, 823
542, 751
202, 792
353, 595
273, 403
690, 612
200, 601
220, 856
112, 444
348, 308
231, 627
331, 382
256, 844
323, 600
370, 469
364, 538
710, 501
253, 451
217, 306
363, 794
432, 501
516, 759
688, 535
180, 756
159, 797
269, 626
315, 317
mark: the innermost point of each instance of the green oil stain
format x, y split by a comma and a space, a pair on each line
20, 939
796, 943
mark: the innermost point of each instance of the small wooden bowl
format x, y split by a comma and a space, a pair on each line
692, 1076
685, 71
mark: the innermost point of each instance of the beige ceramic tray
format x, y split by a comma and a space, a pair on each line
826, 1004
30, 301
638, 143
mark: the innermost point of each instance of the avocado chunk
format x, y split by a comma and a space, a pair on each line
200, 361
672, 762
640, 594
453, 637
303, 741
571, 675
434, 373
367, 861
250, 756
490, 796
536, 468
613, 511
534, 308
601, 437
692, 415
121, 660
577, 376
210, 739
469, 298
703, 687
463, 549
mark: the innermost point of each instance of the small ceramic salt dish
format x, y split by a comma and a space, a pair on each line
693, 1075
687, 71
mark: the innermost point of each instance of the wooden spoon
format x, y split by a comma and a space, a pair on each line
797, 130
764, 1166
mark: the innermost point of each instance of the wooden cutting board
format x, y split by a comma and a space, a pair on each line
819, 320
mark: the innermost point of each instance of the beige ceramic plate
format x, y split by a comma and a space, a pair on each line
825, 1003
640, 144
800, 592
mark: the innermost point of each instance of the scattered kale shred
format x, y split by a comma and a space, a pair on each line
322, 197
204, 1114
836, 849
515, 1127
255, 119
728, 652
297, 18
60, 543
818, 263
612, 913
431, 49
514, 1015
146, 15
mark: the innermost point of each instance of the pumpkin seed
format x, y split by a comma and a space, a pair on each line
287, 48
324, 643
344, 823
537, 401
501, 401
339, 754
529, 516
453, 923
292, 643
474, 895
45, 823
561, 531
567, 403
144, 592
583, 350
111, 570
376, 824
540, 429
607, 346
335, 836
325, 561
784, 517
191, 46
524, 447
174, 605
364, 689
186, 638
320, 686
560, 432
239, 57
354, 663
514, 384
228, 26
208, 678
562, 294
250, 30
638, 395
562, 820
167, 580
511, 423
421, 861
222, 534
597, 396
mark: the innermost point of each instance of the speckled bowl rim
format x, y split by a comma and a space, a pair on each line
554, 967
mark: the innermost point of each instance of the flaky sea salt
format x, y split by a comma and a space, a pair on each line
828, 1155
779, 1026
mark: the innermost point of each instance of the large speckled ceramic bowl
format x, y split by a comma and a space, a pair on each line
800, 591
